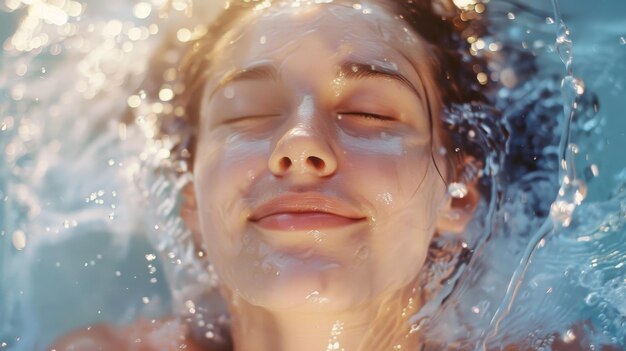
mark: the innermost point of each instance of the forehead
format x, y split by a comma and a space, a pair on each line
363, 32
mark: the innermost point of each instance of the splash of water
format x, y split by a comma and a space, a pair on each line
572, 190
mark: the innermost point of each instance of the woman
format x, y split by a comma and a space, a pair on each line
320, 170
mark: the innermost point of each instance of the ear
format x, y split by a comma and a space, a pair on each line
189, 212
458, 212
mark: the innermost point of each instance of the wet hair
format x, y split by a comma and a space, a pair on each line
443, 27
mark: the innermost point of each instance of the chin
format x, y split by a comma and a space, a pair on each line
309, 288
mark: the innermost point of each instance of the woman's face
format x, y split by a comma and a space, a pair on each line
314, 176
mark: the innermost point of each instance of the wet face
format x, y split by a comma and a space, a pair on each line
314, 175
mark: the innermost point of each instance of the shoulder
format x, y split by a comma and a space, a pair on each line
143, 335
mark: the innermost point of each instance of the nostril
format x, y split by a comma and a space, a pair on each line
316, 162
285, 163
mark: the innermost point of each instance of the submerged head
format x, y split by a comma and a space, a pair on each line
318, 175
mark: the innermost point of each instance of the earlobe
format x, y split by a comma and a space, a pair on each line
458, 212
189, 212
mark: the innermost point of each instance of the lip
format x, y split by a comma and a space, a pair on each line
305, 211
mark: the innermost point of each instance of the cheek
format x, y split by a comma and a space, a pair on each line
405, 192
225, 167
391, 172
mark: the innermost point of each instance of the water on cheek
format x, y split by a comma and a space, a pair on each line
375, 143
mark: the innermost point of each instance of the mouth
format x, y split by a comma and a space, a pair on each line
306, 211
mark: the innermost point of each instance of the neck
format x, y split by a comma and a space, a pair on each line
376, 325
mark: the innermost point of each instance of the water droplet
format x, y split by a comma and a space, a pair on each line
229, 92
385, 198
134, 101
145, 300
142, 10
317, 235
251, 174
622, 40
463, 4
569, 336
457, 190
549, 20
564, 45
166, 94
183, 35
573, 84
362, 254
19, 240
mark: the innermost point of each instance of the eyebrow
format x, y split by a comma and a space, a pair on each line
258, 72
356, 70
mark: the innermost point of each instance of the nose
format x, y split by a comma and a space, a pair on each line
302, 150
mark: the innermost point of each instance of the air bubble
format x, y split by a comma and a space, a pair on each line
592, 299
591, 278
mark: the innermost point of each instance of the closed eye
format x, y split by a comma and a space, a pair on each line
249, 118
368, 115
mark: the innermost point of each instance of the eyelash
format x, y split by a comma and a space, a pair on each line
366, 115
247, 118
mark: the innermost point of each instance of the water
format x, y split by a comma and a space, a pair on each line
547, 264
